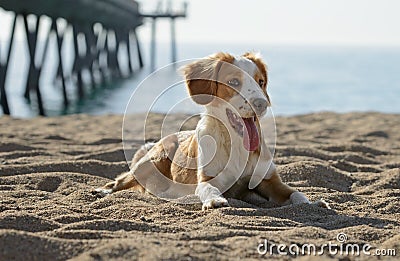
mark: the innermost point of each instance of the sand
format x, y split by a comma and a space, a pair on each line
49, 166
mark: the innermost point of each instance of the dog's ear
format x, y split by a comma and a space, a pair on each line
262, 67
202, 77
200, 80
256, 58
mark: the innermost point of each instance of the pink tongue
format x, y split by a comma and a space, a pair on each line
250, 135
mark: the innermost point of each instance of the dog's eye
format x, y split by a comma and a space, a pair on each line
261, 82
234, 82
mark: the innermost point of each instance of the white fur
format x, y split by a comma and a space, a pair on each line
222, 154
298, 198
264, 167
250, 89
206, 191
229, 159
207, 150
230, 151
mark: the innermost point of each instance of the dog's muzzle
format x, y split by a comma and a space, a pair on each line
259, 105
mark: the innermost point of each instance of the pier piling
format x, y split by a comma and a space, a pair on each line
59, 36
4, 69
98, 38
172, 16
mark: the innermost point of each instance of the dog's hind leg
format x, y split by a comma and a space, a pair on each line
123, 181
144, 173
140, 153
126, 180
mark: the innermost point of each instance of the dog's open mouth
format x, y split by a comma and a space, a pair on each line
246, 128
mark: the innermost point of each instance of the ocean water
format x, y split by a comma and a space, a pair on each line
302, 79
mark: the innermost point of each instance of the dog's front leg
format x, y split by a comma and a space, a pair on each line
274, 189
210, 196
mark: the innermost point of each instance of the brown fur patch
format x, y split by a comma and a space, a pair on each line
162, 153
228, 72
202, 76
262, 67
274, 189
184, 165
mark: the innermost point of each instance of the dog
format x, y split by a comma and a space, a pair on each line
226, 156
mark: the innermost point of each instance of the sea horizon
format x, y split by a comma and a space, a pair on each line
303, 78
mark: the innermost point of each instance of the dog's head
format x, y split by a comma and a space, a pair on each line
234, 85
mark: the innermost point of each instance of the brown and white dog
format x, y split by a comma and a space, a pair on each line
226, 155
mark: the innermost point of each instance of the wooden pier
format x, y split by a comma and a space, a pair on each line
167, 14
98, 29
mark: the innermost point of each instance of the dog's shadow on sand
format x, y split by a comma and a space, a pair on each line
305, 214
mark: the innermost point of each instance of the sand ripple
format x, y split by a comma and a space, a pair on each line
50, 165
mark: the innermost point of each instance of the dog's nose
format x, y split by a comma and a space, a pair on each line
260, 105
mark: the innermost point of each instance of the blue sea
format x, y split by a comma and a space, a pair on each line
302, 79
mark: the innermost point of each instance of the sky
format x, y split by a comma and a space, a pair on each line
333, 22
317, 22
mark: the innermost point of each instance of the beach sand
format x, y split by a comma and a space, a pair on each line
49, 166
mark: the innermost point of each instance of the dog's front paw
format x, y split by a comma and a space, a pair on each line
215, 203
101, 192
322, 203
